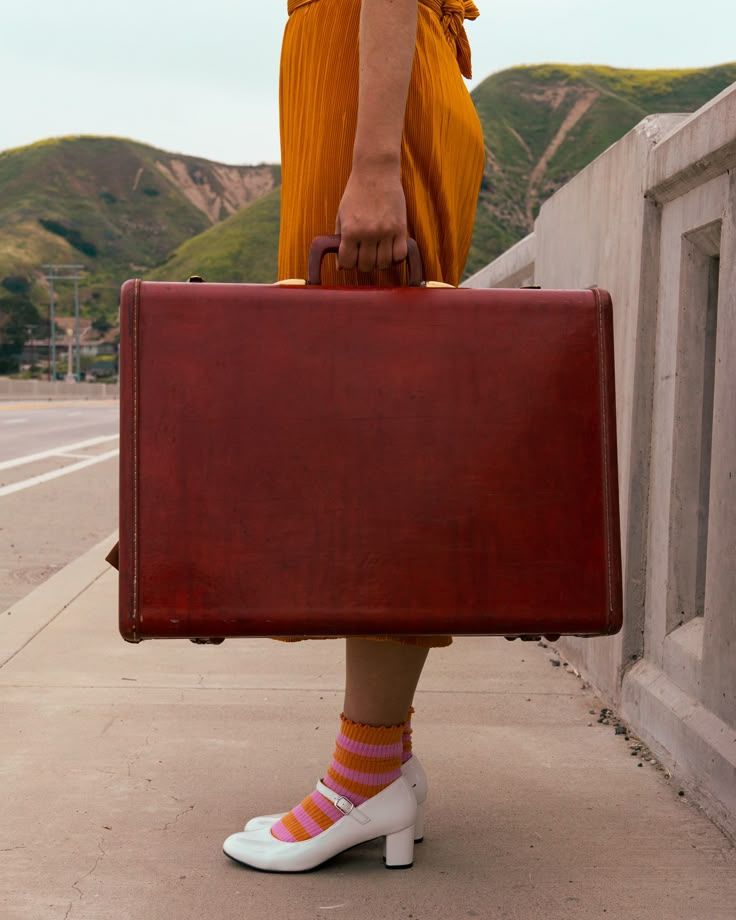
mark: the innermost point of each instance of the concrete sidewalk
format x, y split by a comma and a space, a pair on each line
124, 767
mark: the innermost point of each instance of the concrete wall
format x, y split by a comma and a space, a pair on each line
653, 220
47, 389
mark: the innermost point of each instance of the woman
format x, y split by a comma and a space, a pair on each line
380, 141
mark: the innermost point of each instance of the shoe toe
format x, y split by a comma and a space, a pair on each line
261, 850
258, 848
263, 821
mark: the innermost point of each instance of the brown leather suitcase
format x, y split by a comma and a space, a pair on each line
309, 461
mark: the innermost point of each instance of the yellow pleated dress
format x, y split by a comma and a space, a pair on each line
442, 151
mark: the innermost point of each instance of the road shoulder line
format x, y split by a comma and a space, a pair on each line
55, 474
53, 451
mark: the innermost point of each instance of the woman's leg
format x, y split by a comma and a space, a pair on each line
380, 680
364, 794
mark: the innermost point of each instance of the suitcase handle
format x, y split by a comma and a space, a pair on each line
322, 245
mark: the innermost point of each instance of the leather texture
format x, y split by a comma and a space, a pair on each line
390, 814
312, 461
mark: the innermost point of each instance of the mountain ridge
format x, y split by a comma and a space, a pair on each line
126, 208
116, 205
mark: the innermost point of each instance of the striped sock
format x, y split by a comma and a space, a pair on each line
367, 759
406, 738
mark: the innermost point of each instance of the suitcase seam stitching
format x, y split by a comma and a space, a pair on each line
136, 304
606, 469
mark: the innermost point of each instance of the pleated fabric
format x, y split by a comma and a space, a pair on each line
442, 150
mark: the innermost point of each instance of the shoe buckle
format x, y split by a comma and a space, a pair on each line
343, 804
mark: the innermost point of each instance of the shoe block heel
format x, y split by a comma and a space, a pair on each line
419, 824
399, 849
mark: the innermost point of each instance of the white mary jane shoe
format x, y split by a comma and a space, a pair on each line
390, 814
413, 773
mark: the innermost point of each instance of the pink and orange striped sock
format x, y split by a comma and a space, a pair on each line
406, 738
367, 758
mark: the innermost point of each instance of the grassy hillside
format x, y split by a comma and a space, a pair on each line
242, 248
115, 206
543, 124
122, 208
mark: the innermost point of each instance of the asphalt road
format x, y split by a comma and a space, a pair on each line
28, 429
58, 488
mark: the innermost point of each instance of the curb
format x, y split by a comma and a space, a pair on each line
24, 620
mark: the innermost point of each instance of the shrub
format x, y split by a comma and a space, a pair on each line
72, 236
16, 284
101, 324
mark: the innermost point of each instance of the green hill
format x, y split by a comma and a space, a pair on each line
115, 206
122, 208
543, 124
242, 248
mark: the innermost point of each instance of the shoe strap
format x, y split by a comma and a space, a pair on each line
342, 803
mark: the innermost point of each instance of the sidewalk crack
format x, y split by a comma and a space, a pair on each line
181, 814
75, 885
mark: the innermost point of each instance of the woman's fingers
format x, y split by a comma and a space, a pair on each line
367, 255
347, 255
385, 253
400, 249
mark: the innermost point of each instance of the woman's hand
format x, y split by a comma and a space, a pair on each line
371, 220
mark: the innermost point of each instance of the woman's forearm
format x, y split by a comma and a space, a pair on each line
387, 39
371, 219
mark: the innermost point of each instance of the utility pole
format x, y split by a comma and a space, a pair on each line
69, 372
76, 329
52, 331
29, 334
63, 273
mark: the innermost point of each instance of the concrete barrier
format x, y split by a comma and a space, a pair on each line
653, 220
46, 389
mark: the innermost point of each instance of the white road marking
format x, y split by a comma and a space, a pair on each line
54, 474
73, 414
79, 445
14, 421
66, 454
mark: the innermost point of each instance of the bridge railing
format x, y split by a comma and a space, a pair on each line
48, 389
653, 220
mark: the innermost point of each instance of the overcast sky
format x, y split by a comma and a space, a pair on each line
202, 77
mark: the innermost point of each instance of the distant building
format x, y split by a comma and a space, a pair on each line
92, 344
